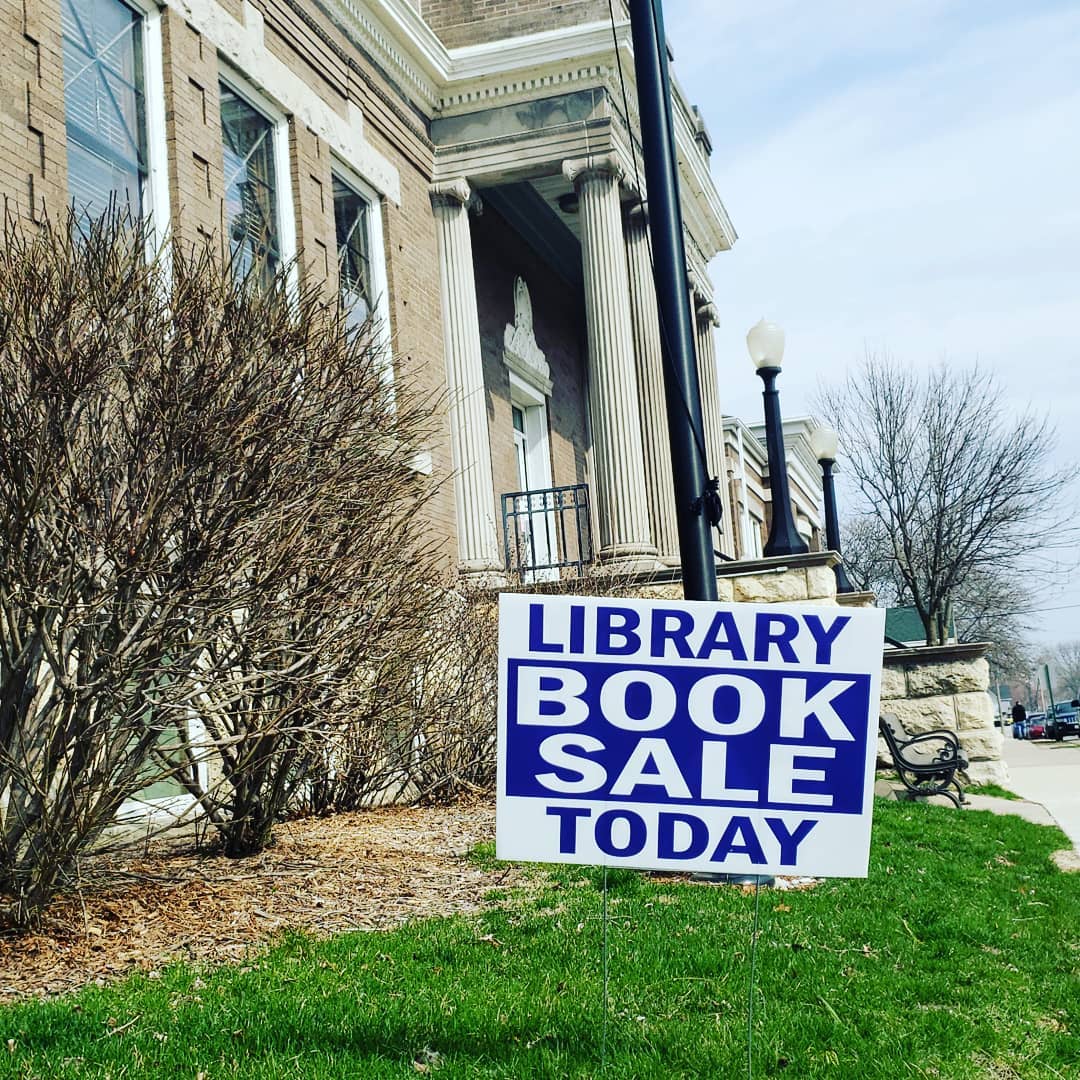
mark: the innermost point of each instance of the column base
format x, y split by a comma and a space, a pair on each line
628, 559
477, 575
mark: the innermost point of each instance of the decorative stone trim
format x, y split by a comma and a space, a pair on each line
521, 354
856, 599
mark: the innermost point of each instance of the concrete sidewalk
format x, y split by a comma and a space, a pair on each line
1048, 774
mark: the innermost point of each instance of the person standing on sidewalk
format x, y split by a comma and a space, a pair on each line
1019, 718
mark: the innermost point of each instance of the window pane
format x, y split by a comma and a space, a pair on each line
105, 107
354, 252
250, 188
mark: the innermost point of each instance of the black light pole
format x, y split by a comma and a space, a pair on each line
766, 344
823, 441
686, 430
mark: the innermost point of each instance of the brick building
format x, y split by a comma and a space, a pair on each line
467, 171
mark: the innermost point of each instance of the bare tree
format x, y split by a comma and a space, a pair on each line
990, 606
1064, 661
209, 531
953, 489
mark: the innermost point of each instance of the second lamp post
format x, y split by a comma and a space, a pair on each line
823, 441
766, 344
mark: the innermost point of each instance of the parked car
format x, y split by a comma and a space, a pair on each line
1036, 726
1064, 722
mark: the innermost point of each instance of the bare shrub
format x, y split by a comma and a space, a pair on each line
207, 524
432, 735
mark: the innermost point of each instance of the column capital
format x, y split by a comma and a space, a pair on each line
708, 314
450, 193
637, 213
578, 170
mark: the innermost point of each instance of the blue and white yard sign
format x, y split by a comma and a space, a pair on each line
687, 735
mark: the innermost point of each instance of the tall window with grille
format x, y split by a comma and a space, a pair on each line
105, 107
252, 204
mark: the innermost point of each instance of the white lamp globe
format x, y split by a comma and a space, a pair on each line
766, 344
823, 441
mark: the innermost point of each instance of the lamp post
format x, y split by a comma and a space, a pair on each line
766, 344
823, 442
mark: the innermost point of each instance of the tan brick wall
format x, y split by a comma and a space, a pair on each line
33, 148
313, 199
192, 132
469, 22
412, 263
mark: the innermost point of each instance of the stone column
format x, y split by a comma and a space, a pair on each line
614, 412
656, 445
474, 489
712, 416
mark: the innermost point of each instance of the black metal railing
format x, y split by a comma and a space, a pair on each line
547, 532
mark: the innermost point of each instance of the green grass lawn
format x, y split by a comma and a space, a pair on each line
958, 957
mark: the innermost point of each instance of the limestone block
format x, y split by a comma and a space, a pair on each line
987, 772
974, 711
725, 590
775, 588
926, 714
820, 582
982, 745
670, 591
893, 684
953, 677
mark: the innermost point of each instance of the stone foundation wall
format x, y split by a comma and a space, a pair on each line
945, 686
794, 579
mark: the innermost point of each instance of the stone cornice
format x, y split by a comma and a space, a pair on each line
577, 44
395, 36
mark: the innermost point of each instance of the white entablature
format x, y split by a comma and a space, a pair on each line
449, 82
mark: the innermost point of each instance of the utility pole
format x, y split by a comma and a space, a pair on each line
686, 430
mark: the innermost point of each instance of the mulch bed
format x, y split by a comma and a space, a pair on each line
149, 906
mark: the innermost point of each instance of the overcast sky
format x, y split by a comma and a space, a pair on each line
903, 176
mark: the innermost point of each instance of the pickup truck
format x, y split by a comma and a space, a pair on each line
1063, 722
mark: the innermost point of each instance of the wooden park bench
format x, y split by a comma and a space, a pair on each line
927, 764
